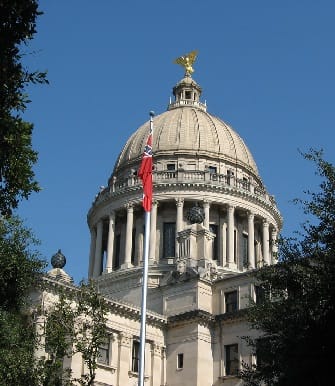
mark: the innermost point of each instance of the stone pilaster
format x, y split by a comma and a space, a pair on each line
156, 363
124, 356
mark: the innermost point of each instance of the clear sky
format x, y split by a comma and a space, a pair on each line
265, 67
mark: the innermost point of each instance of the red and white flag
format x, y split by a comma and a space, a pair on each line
145, 173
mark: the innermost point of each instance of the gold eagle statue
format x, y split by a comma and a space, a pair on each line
186, 61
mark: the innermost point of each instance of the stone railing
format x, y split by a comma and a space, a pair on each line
187, 102
187, 176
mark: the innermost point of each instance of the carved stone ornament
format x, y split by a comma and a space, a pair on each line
195, 215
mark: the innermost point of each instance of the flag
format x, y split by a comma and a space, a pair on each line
145, 173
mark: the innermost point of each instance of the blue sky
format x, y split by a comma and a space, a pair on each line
265, 67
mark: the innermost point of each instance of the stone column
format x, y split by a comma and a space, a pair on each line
92, 252
98, 250
179, 223
222, 239
251, 240
129, 236
110, 243
153, 230
266, 256
206, 210
274, 246
231, 223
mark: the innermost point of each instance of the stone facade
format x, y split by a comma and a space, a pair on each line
199, 278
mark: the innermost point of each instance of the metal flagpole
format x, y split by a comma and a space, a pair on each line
144, 287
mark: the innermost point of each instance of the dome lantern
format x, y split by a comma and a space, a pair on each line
187, 92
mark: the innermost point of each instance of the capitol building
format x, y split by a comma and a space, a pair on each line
212, 223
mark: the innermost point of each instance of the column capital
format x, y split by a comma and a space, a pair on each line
230, 208
124, 339
265, 223
155, 348
129, 206
205, 203
179, 201
155, 203
251, 215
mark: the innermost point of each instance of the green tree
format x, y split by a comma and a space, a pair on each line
20, 269
295, 320
17, 27
76, 323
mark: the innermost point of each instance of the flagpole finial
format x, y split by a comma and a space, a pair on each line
152, 113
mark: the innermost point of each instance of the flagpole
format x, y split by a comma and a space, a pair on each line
144, 287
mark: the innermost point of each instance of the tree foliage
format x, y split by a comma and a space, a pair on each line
17, 27
76, 324
297, 335
20, 269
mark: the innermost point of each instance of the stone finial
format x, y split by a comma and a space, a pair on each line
58, 260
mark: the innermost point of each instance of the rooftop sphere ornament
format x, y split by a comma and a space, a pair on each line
58, 260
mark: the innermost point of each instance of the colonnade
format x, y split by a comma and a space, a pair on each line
227, 238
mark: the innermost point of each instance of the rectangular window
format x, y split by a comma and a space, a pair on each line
188, 95
133, 240
135, 360
212, 169
214, 229
231, 359
231, 301
245, 250
171, 166
103, 356
117, 249
169, 239
180, 361
259, 294
235, 245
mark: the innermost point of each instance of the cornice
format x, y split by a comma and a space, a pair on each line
199, 316
118, 307
165, 187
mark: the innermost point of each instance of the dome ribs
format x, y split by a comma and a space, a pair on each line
215, 134
188, 131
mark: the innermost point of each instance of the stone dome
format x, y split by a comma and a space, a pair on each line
190, 131
186, 131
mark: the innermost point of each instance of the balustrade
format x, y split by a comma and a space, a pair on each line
175, 176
